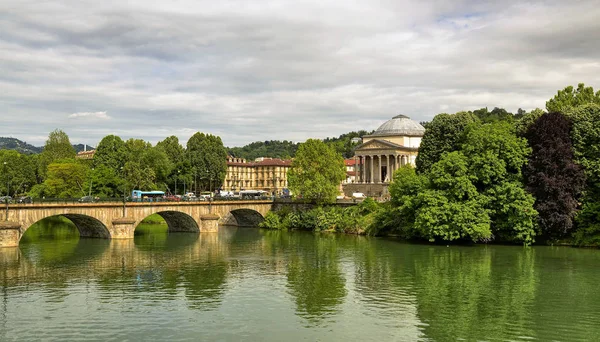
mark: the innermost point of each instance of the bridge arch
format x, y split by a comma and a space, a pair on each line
243, 218
178, 221
87, 226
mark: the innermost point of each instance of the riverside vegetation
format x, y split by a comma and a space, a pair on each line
486, 177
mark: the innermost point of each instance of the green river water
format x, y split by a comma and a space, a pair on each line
258, 285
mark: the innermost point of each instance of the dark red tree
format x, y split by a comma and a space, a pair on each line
551, 174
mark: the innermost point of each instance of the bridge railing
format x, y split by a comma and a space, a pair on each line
129, 200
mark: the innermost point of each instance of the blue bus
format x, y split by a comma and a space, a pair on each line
147, 196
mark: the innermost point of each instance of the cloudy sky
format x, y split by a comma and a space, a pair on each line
261, 70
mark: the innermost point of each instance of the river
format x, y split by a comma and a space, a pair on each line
258, 285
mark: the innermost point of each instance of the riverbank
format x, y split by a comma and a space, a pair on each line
377, 219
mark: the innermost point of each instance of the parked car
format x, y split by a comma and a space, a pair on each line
86, 199
340, 197
5, 199
24, 199
358, 195
173, 198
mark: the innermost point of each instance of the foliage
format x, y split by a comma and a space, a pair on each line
270, 148
104, 182
57, 147
474, 193
18, 174
569, 98
497, 114
404, 188
316, 172
355, 219
65, 179
585, 136
208, 159
344, 145
552, 175
172, 148
443, 134
111, 152
522, 125
18, 145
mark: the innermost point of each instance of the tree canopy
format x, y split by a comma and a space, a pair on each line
474, 193
57, 147
207, 159
570, 97
551, 174
316, 172
443, 134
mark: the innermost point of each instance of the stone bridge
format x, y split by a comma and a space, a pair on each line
116, 221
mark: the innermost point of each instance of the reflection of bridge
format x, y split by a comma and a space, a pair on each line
113, 220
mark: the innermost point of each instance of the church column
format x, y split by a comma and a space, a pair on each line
379, 166
388, 169
371, 170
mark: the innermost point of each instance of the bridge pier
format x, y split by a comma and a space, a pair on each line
10, 234
122, 228
210, 223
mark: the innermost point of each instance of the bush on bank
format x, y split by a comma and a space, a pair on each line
352, 220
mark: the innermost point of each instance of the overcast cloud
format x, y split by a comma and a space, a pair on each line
292, 70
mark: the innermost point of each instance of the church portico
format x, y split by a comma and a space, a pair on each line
392, 145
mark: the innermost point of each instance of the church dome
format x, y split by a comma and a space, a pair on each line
400, 125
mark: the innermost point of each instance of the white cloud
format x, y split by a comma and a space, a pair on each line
90, 115
280, 69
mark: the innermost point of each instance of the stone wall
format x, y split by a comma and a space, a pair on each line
370, 190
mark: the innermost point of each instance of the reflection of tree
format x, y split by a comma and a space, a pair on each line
571, 303
314, 276
475, 293
204, 283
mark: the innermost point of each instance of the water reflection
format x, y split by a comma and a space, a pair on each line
314, 275
271, 285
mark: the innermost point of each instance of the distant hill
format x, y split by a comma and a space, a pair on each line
25, 148
79, 147
287, 149
18, 145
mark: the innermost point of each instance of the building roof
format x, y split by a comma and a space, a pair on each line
400, 125
349, 162
263, 162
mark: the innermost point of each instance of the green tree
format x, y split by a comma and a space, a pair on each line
570, 97
65, 179
104, 182
522, 125
57, 147
316, 172
443, 134
111, 152
497, 114
474, 193
172, 148
18, 172
585, 136
208, 158
452, 208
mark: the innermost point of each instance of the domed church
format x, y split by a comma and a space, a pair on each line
393, 144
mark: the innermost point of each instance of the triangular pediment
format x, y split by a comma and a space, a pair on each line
377, 144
